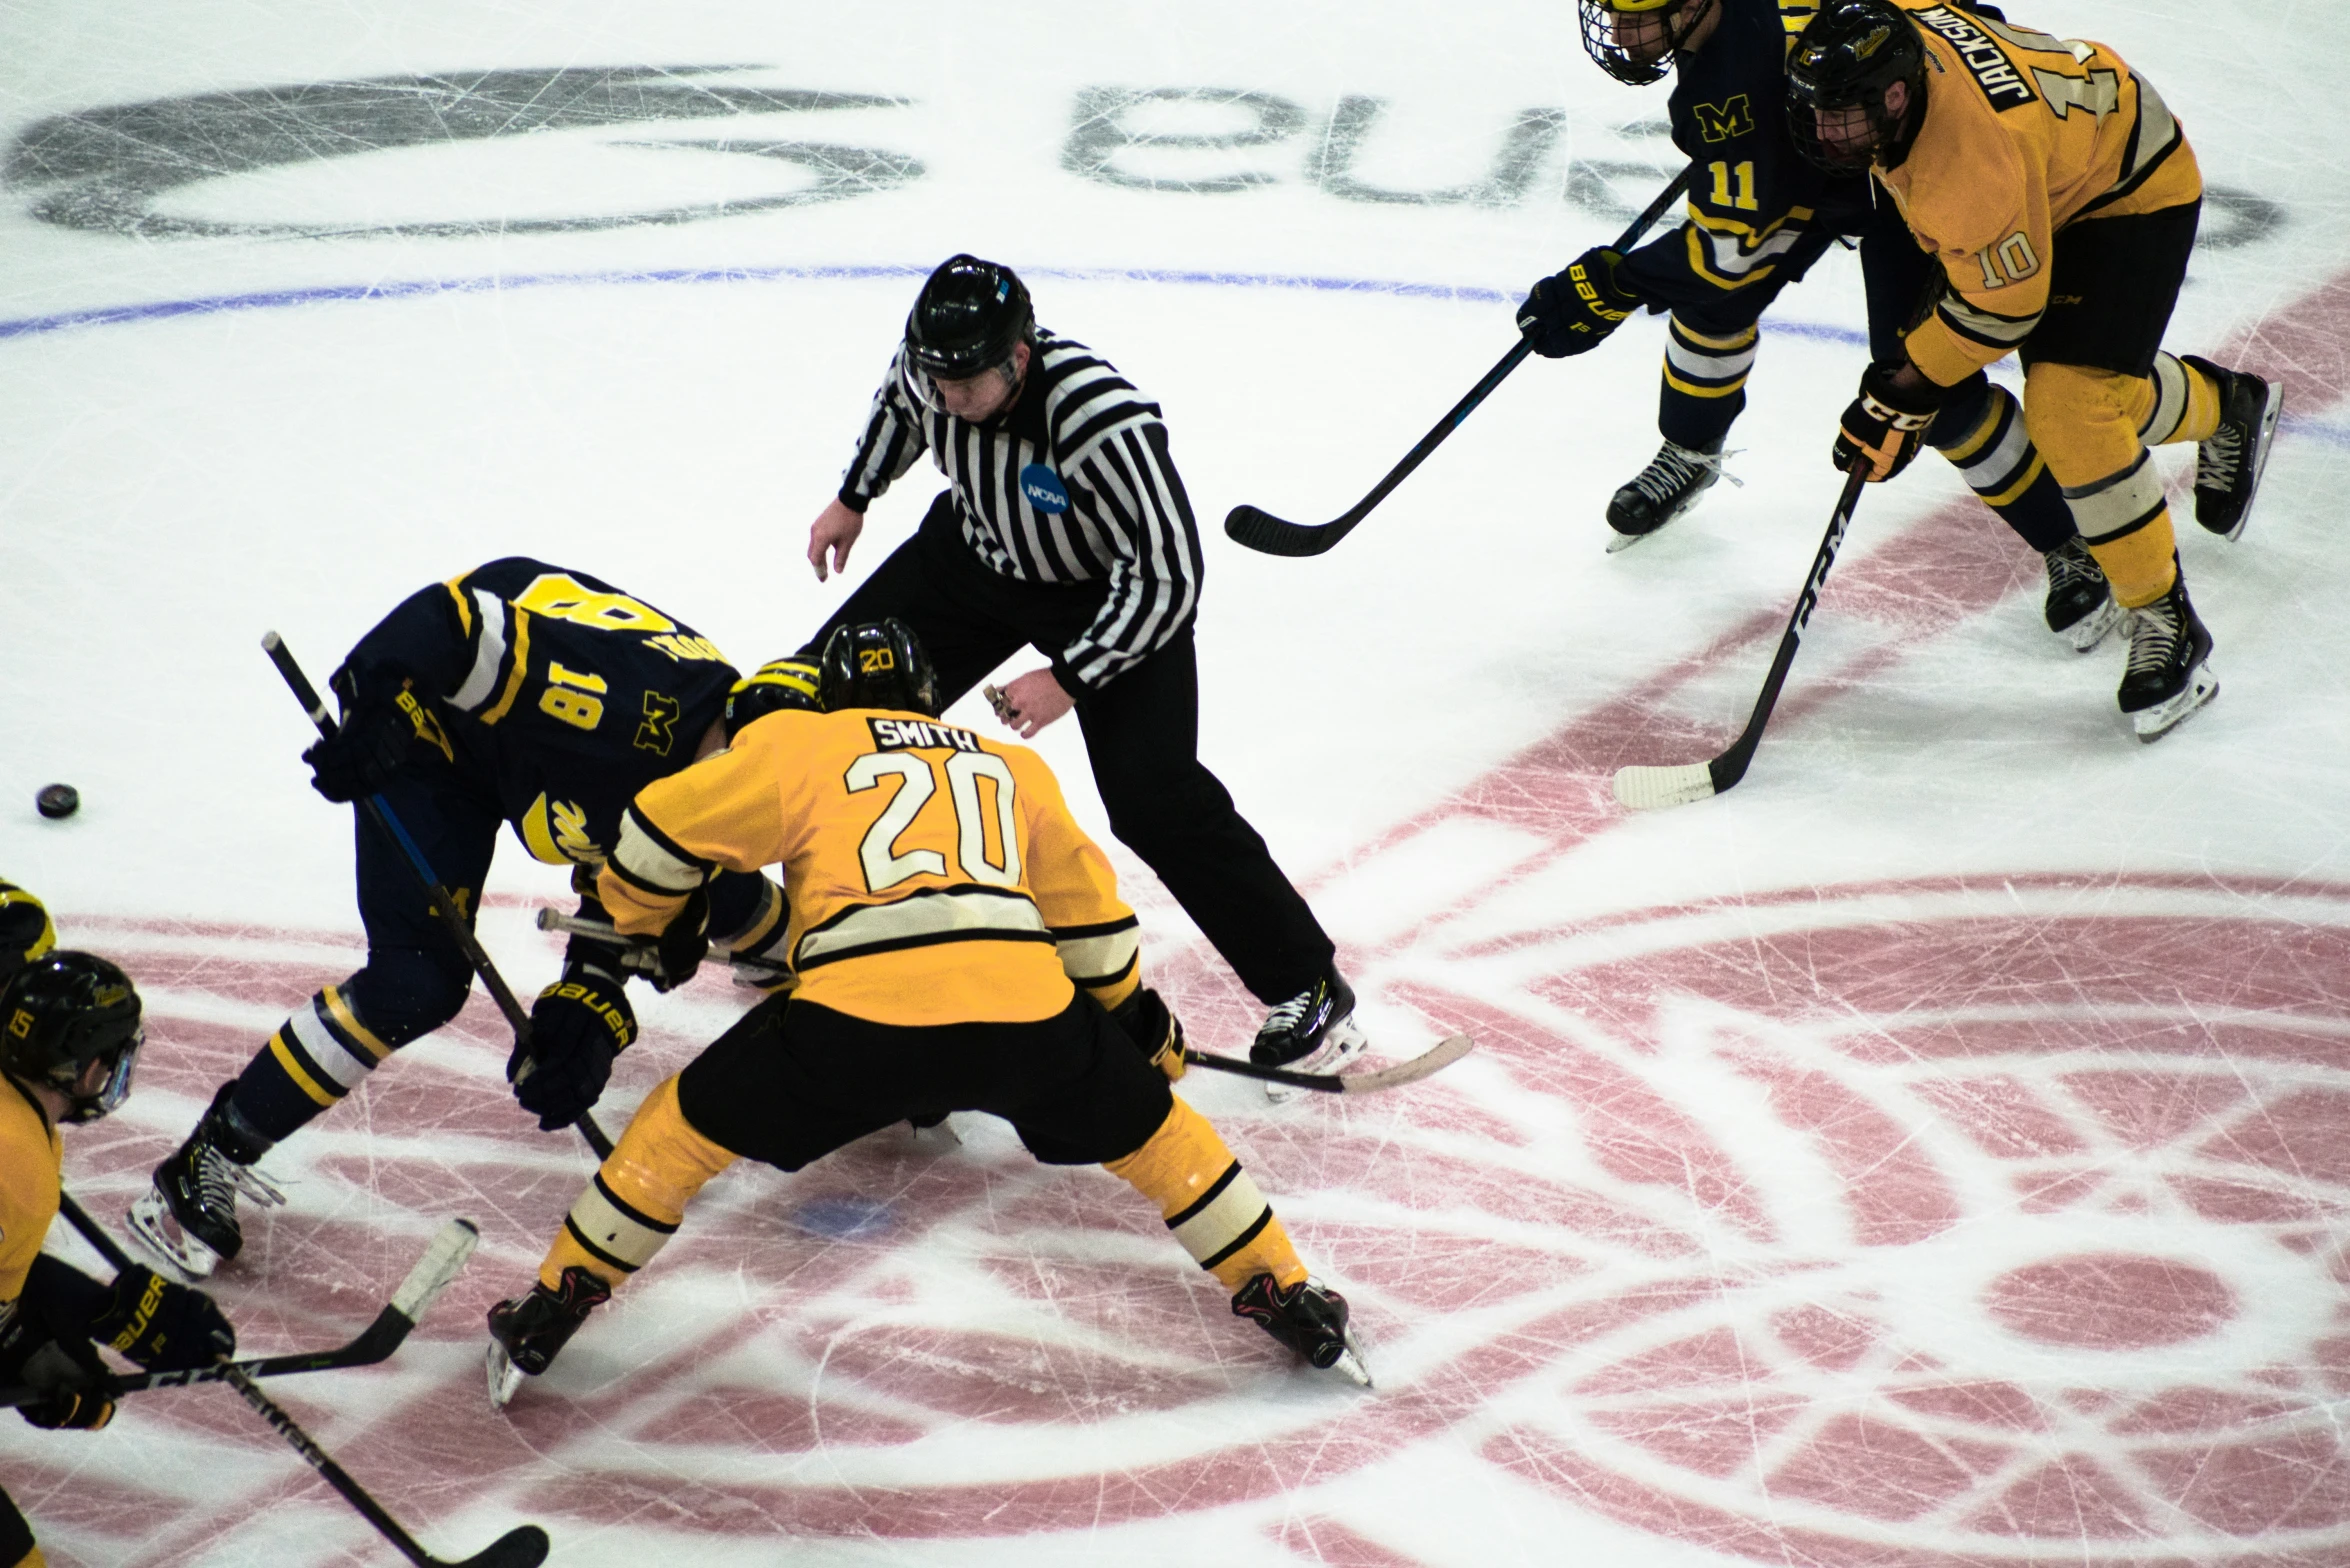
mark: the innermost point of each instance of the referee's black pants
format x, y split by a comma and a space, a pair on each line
1141, 732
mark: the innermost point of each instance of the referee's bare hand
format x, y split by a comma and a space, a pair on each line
834, 531
1033, 701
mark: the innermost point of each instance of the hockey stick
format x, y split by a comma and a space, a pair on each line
1434, 1060
441, 1263
638, 954
1643, 788
1260, 530
379, 811
524, 1546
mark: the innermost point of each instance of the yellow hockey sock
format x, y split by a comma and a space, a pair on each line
636, 1201
1209, 1202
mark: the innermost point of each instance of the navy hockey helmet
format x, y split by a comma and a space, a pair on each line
967, 318
771, 688
877, 664
1634, 40
61, 1013
1847, 58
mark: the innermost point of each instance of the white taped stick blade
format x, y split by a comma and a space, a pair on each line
439, 1265
1446, 1052
1651, 789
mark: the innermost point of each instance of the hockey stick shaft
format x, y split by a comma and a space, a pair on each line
439, 1265
638, 953
379, 811
1643, 787
1440, 1056
1262, 531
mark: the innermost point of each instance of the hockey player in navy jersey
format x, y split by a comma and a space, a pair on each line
1760, 215
518, 693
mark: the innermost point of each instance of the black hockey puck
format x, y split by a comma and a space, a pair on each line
58, 800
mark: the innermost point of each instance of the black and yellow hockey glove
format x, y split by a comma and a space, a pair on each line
1156, 1032
1578, 308
163, 1326
369, 744
1887, 423
577, 1026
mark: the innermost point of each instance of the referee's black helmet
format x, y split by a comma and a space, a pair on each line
966, 319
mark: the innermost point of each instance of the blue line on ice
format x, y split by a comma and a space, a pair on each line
275, 299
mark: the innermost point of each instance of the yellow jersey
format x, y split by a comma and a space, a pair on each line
932, 876
30, 1159
2023, 134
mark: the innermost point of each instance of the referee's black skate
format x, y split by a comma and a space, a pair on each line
188, 1218
2169, 674
2229, 462
1313, 1032
1667, 487
2080, 606
528, 1332
1309, 1318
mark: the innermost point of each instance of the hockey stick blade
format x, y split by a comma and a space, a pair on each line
1645, 788
1256, 529
1446, 1052
524, 1547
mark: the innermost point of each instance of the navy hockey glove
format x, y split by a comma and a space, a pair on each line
1156, 1032
577, 1026
684, 943
1579, 307
367, 748
164, 1327
1886, 425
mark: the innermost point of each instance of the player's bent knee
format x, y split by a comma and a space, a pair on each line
2084, 420
405, 993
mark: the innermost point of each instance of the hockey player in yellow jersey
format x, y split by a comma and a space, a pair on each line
959, 944
2061, 196
69, 1042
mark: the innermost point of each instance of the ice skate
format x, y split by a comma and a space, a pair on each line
2169, 674
1667, 487
1310, 1319
188, 1218
2080, 607
2229, 462
527, 1332
1313, 1032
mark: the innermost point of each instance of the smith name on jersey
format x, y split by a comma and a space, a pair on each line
934, 876
563, 694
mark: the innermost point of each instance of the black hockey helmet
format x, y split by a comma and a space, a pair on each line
61, 1013
967, 318
772, 687
1846, 57
1606, 34
877, 664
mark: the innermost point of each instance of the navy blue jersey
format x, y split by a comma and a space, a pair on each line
553, 689
1756, 205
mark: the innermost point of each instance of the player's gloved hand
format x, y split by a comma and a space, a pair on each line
684, 943
1576, 309
163, 1326
366, 749
1887, 423
577, 1025
1156, 1032
80, 1390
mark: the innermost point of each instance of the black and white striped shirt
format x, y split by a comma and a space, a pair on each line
1074, 485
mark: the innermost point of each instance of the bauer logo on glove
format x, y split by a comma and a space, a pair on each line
1578, 308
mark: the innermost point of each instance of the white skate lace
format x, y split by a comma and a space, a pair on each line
2154, 637
2071, 563
1676, 467
2219, 456
1281, 1019
220, 1179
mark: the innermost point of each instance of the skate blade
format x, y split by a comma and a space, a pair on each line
1618, 543
158, 1234
2260, 446
2154, 723
1350, 1043
1352, 1364
2091, 629
1644, 788
505, 1378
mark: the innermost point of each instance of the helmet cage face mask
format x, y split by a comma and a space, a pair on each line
1603, 29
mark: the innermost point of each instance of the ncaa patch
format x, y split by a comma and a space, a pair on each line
1043, 488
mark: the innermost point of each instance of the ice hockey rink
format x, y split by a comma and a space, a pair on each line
1935, 1151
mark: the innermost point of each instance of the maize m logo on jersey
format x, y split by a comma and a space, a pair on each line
1992, 71
1719, 122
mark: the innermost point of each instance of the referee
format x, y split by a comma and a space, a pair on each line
1064, 527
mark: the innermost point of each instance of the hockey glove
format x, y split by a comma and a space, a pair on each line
81, 1390
1156, 1032
164, 1327
367, 748
684, 942
1886, 424
577, 1026
1579, 307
